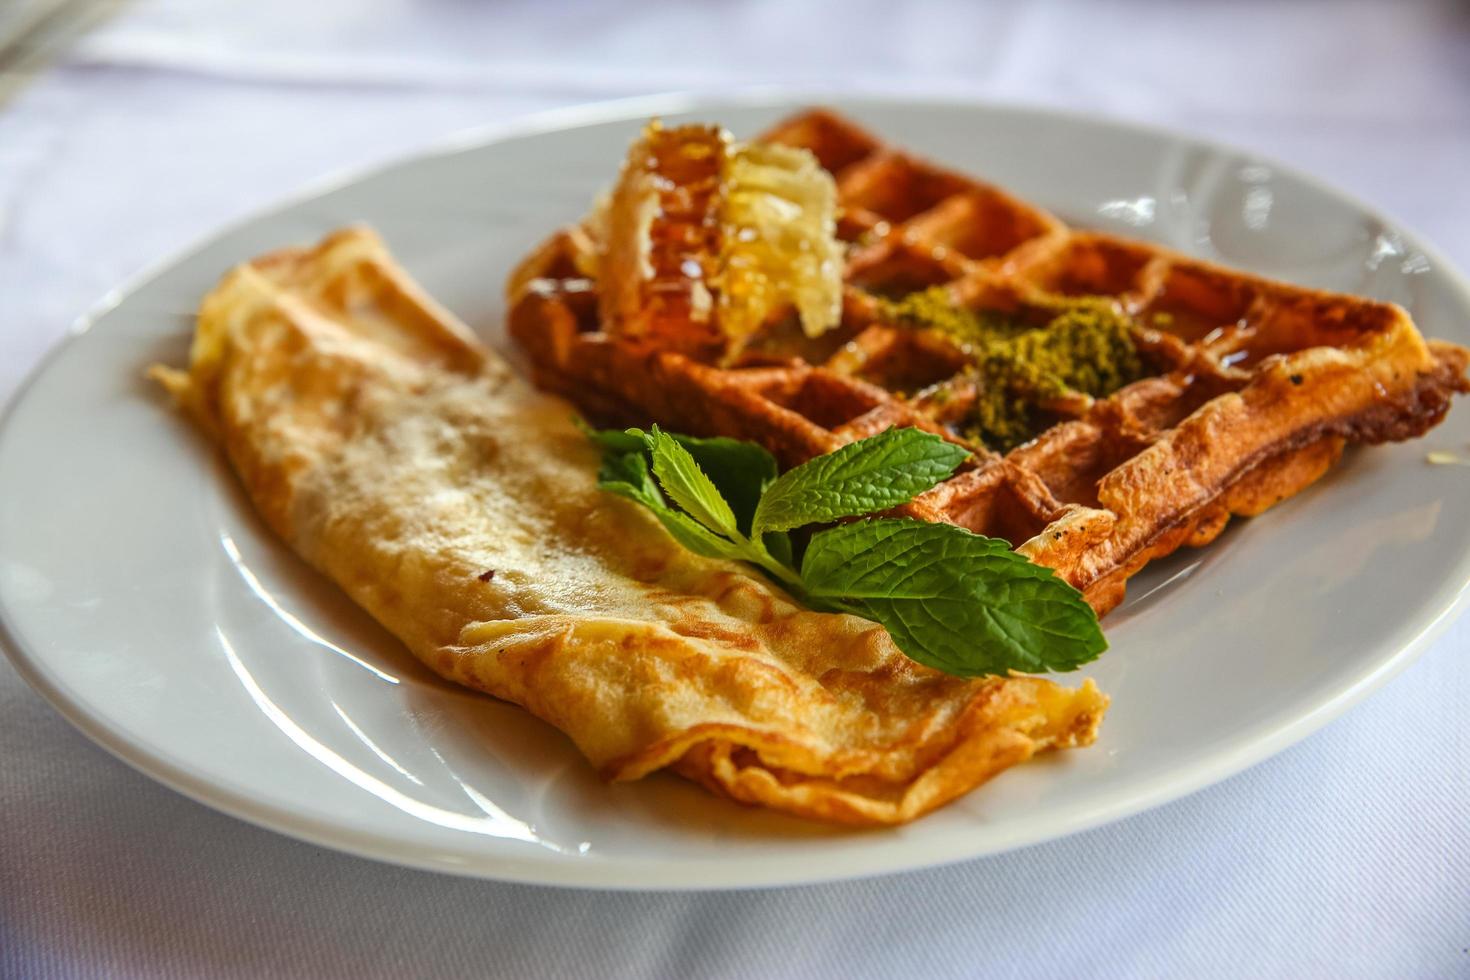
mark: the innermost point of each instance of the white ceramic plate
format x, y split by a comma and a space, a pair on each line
140, 594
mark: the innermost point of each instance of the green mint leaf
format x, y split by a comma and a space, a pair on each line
627, 481
687, 485
695, 537
630, 471
740, 471
961, 603
746, 468
611, 440
956, 601
778, 546
869, 475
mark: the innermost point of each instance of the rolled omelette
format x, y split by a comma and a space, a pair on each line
460, 507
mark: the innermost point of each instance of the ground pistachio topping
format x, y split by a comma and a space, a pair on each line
1087, 346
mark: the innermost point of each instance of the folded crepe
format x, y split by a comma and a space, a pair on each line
459, 507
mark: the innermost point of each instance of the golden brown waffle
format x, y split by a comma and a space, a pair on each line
1253, 387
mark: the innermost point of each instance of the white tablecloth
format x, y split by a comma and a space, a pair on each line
1348, 855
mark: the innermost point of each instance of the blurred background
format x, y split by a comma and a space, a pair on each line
129, 129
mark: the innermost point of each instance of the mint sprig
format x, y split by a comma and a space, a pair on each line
741, 470
969, 602
862, 477
953, 600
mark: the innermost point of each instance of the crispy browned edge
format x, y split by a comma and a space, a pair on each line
1278, 432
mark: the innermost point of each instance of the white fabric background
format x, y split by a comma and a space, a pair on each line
1348, 855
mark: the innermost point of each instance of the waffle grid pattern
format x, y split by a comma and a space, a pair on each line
1255, 385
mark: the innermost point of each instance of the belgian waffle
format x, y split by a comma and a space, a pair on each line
1252, 388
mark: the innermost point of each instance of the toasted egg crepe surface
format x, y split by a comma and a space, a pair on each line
460, 508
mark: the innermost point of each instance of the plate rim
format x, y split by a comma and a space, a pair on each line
619, 874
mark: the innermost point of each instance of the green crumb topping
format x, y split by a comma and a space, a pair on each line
1086, 347
932, 309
